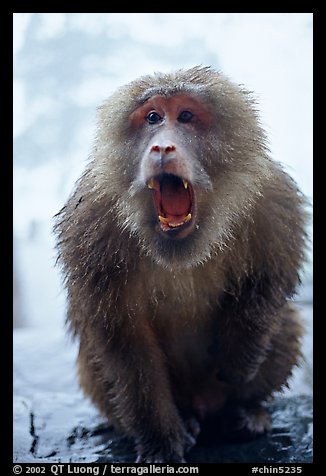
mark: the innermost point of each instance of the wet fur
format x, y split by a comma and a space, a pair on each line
175, 329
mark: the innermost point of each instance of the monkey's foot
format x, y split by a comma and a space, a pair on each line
241, 423
250, 423
148, 455
255, 420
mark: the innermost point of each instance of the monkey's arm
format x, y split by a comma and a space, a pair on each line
131, 386
121, 365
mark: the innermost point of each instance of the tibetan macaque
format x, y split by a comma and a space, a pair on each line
181, 245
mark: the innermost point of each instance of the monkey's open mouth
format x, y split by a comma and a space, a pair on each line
174, 201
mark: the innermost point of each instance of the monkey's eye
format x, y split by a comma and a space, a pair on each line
152, 117
185, 116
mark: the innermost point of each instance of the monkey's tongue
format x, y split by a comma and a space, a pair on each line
175, 198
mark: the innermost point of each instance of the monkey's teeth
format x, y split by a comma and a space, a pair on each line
150, 183
185, 183
174, 225
163, 220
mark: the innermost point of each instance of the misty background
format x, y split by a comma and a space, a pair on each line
66, 64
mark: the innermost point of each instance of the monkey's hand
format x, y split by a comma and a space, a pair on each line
160, 457
139, 392
170, 452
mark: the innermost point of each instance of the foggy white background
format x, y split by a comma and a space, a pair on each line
66, 64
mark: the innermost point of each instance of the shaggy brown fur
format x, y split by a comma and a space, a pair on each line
179, 321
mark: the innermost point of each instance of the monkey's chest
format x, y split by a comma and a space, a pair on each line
185, 323
192, 364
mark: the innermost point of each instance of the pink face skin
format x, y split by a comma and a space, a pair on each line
170, 109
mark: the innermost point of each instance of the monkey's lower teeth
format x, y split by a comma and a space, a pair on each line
174, 225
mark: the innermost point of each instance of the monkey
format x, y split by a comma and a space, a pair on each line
181, 247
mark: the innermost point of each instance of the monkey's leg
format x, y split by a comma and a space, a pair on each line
283, 354
245, 325
128, 381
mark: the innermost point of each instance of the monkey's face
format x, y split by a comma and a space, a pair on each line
185, 159
170, 128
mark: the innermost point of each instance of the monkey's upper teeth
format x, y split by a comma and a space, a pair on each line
163, 220
185, 183
150, 183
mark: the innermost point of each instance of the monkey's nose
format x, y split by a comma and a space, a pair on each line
166, 149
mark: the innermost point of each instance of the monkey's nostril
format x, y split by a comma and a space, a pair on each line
165, 150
